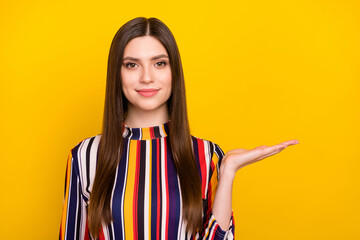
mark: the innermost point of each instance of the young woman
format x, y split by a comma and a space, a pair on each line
145, 176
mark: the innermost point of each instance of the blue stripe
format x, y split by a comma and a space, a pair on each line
118, 197
174, 195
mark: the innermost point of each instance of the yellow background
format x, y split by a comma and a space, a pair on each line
257, 73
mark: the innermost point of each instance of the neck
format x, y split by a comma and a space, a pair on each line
137, 118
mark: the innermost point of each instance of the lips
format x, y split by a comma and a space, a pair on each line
147, 92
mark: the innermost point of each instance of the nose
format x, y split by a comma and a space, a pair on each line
146, 76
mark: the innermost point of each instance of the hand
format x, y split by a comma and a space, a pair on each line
239, 158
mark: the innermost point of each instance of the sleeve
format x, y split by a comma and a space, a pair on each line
74, 214
212, 229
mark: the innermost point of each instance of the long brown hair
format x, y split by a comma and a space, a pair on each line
111, 142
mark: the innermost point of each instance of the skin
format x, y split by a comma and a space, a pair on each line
141, 71
145, 72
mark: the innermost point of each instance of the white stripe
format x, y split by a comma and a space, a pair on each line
182, 224
163, 187
105, 231
146, 194
211, 230
161, 131
125, 131
123, 192
93, 158
112, 197
77, 207
83, 219
131, 134
82, 164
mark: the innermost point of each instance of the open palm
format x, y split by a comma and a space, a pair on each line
239, 158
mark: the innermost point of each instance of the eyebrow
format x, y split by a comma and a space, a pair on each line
153, 58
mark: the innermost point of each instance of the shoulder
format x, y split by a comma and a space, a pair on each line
208, 156
209, 147
86, 145
84, 156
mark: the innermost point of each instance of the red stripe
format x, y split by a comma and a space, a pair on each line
101, 236
136, 190
86, 237
214, 231
167, 194
202, 162
152, 134
158, 190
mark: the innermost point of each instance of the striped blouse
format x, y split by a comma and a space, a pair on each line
146, 198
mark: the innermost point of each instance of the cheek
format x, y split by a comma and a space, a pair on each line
165, 78
126, 77
128, 80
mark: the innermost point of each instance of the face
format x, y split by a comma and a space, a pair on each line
146, 74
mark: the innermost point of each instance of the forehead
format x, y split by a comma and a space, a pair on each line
144, 47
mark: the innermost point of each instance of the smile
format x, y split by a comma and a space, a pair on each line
147, 92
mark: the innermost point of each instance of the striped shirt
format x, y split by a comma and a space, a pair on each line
146, 198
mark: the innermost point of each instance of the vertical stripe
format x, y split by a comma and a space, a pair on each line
202, 163
141, 190
157, 132
152, 135
154, 188
87, 234
167, 189
162, 131
88, 148
129, 191
72, 205
119, 193
164, 207
145, 133
147, 197
181, 229
207, 153
66, 198
173, 199
81, 155
135, 196
78, 221
111, 225
159, 192
214, 177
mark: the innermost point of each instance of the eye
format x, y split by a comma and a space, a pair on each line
130, 65
162, 63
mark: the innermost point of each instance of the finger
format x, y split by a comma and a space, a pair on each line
261, 147
242, 150
270, 154
290, 142
275, 149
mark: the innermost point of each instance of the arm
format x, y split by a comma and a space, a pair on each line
212, 228
73, 220
222, 208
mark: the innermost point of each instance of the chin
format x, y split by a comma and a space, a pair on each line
150, 107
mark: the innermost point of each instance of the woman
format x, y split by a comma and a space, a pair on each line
145, 176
